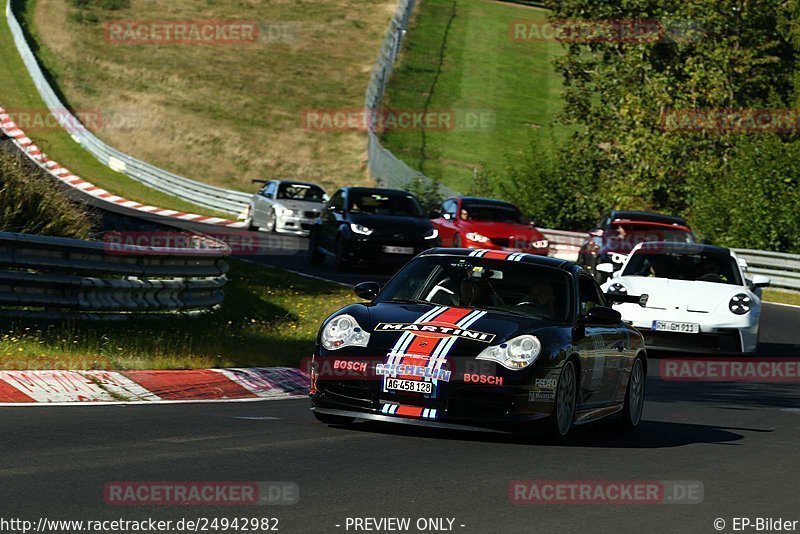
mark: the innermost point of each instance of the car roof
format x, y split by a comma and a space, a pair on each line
688, 248
481, 200
298, 182
358, 189
647, 216
545, 261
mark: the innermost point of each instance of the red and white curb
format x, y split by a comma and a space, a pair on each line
26, 145
18, 388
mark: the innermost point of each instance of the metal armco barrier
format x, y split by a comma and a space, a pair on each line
387, 169
52, 276
783, 269
217, 198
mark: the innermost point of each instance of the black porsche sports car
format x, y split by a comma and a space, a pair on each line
465, 338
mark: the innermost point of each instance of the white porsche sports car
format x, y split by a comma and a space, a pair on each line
693, 297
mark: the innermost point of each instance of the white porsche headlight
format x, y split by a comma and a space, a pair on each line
616, 257
740, 304
343, 331
515, 354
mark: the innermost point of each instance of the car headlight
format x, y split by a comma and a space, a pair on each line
478, 238
616, 257
618, 288
361, 229
284, 212
544, 243
433, 234
740, 304
515, 354
343, 331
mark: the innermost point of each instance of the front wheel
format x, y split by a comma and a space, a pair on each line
272, 223
329, 419
456, 241
341, 262
634, 396
560, 422
316, 257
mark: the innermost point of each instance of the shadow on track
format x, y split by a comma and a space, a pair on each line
600, 435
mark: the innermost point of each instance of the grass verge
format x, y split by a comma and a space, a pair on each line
19, 95
270, 317
460, 55
782, 296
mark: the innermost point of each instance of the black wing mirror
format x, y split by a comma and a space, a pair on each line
367, 290
601, 315
621, 298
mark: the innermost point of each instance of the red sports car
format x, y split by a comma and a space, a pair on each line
470, 222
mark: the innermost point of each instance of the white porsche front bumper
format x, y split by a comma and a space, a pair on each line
718, 335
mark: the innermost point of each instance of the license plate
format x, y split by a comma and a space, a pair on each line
398, 250
672, 326
409, 386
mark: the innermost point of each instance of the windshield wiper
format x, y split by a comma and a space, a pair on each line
409, 301
505, 310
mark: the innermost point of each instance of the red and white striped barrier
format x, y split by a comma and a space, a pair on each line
151, 386
27, 146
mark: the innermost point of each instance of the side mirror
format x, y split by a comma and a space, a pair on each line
434, 214
607, 268
622, 298
367, 290
742, 264
759, 280
601, 315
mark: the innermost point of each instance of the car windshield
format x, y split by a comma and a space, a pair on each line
512, 287
306, 192
383, 203
703, 267
505, 213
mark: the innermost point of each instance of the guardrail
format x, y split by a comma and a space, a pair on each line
51, 276
217, 198
387, 169
783, 269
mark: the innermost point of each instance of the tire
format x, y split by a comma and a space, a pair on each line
272, 223
456, 241
341, 263
315, 256
329, 419
634, 396
560, 423
252, 227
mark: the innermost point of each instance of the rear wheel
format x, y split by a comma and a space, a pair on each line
634, 396
560, 422
329, 419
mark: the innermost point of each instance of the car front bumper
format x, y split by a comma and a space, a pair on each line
294, 225
739, 335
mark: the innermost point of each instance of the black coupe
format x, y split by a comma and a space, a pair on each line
465, 338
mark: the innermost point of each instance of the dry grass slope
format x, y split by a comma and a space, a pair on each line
223, 114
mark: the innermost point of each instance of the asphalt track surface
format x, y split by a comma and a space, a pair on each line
740, 440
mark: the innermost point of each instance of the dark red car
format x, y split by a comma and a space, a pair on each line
482, 223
